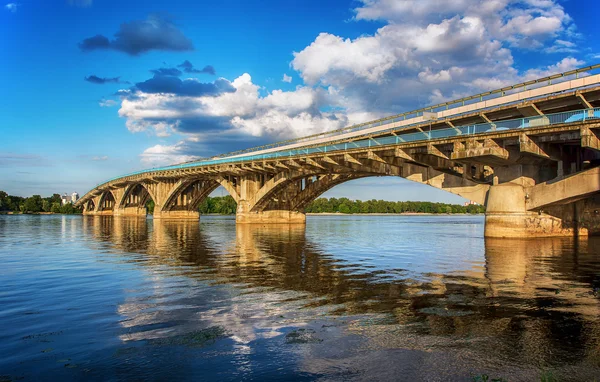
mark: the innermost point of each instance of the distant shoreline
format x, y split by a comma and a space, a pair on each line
307, 214
385, 213
34, 213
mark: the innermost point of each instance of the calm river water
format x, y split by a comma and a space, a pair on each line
415, 298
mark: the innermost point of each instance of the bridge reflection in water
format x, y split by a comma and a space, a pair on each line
525, 303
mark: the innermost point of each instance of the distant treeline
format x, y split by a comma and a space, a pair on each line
226, 205
35, 204
347, 206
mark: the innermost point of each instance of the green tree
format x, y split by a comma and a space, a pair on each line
150, 207
33, 204
55, 198
55, 208
67, 208
3, 201
343, 208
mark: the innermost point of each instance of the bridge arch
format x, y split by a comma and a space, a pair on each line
106, 202
135, 195
187, 194
89, 206
231, 186
318, 188
294, 190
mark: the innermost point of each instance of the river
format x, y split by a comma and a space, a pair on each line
359, 298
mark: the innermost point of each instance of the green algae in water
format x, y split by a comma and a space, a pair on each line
191, 339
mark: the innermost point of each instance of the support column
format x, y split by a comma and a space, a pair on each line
131, 211
160, 195
249, 187
176, 215
270, 217
506, 216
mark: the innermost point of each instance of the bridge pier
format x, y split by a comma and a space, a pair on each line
507, 216
271, 217
176, 214
130, 212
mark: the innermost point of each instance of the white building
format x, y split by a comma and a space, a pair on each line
69, 198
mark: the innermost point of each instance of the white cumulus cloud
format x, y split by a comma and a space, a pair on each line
423, 54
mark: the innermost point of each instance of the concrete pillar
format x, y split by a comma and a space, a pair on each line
249, 187
131, 211
506, 216
270, 217
176, 215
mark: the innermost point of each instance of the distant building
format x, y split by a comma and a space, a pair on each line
470, 203
65, 199
69, 198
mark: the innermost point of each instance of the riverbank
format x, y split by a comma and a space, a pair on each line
34, 213
385, 213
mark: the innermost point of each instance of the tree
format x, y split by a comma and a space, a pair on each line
55, 198
3, 201
150, 207
46, 205
343, 208
67, 208
33, 204
55, 208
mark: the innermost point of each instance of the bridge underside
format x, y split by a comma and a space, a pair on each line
538, 179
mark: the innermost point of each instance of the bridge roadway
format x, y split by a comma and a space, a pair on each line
529, 153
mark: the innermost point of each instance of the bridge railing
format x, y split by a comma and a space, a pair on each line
528, 85
466, 130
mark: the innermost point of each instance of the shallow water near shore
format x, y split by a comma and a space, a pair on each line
415, 298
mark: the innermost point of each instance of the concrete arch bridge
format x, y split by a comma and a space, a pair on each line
528, 152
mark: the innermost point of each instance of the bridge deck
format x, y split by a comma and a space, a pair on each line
450, 114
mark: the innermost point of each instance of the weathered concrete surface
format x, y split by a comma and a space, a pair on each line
99, 213
131, 212
182, 214
271, 217
582, 214
527, 224
576, 186
507, 216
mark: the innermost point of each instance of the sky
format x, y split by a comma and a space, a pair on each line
94, 89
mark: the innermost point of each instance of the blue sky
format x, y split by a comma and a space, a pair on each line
94, 89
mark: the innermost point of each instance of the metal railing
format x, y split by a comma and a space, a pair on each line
528, 85
575, 116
